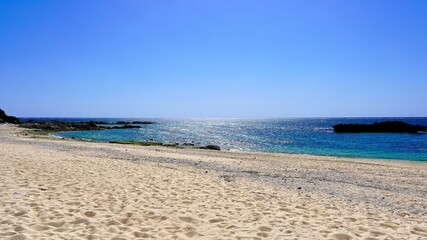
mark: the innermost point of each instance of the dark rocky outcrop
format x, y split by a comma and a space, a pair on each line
140, 143
8, 119
379, 127
60, 125
212, 147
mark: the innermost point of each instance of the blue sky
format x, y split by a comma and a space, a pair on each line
213, 58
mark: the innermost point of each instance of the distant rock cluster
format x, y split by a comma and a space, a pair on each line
80, 126
379, 127
54, 125
60, 125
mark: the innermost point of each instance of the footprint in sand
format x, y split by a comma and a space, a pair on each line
19, 229
264, 229
80, 220
216, 220
89, 214
341, 236
56, 224
262, 234
141, 235
190, 231
187, 219
20, 213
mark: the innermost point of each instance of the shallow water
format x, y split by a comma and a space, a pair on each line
293, 135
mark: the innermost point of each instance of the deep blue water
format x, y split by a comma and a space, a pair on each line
300, 135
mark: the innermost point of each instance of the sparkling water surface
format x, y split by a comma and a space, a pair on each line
294, 135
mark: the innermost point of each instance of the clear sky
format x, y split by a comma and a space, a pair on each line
219, 58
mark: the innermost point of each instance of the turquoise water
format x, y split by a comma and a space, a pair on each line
303, 136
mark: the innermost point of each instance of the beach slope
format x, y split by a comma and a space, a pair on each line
62, 189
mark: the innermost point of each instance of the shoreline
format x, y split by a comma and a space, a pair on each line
229, 194
53, 136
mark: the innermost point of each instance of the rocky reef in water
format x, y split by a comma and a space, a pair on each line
60, 126
379, 127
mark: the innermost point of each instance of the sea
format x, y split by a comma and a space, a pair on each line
314, 136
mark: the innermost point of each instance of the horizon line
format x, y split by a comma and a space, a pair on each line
234, 117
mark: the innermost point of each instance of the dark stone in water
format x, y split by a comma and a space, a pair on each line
379, 127
9, 119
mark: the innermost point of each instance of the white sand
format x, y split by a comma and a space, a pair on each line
59, 189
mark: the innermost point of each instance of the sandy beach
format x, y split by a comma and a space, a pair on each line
63, 189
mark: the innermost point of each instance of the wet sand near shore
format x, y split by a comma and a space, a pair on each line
62, 189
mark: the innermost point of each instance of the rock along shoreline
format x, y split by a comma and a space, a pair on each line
42, 128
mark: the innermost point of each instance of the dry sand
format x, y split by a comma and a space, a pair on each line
61, 189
